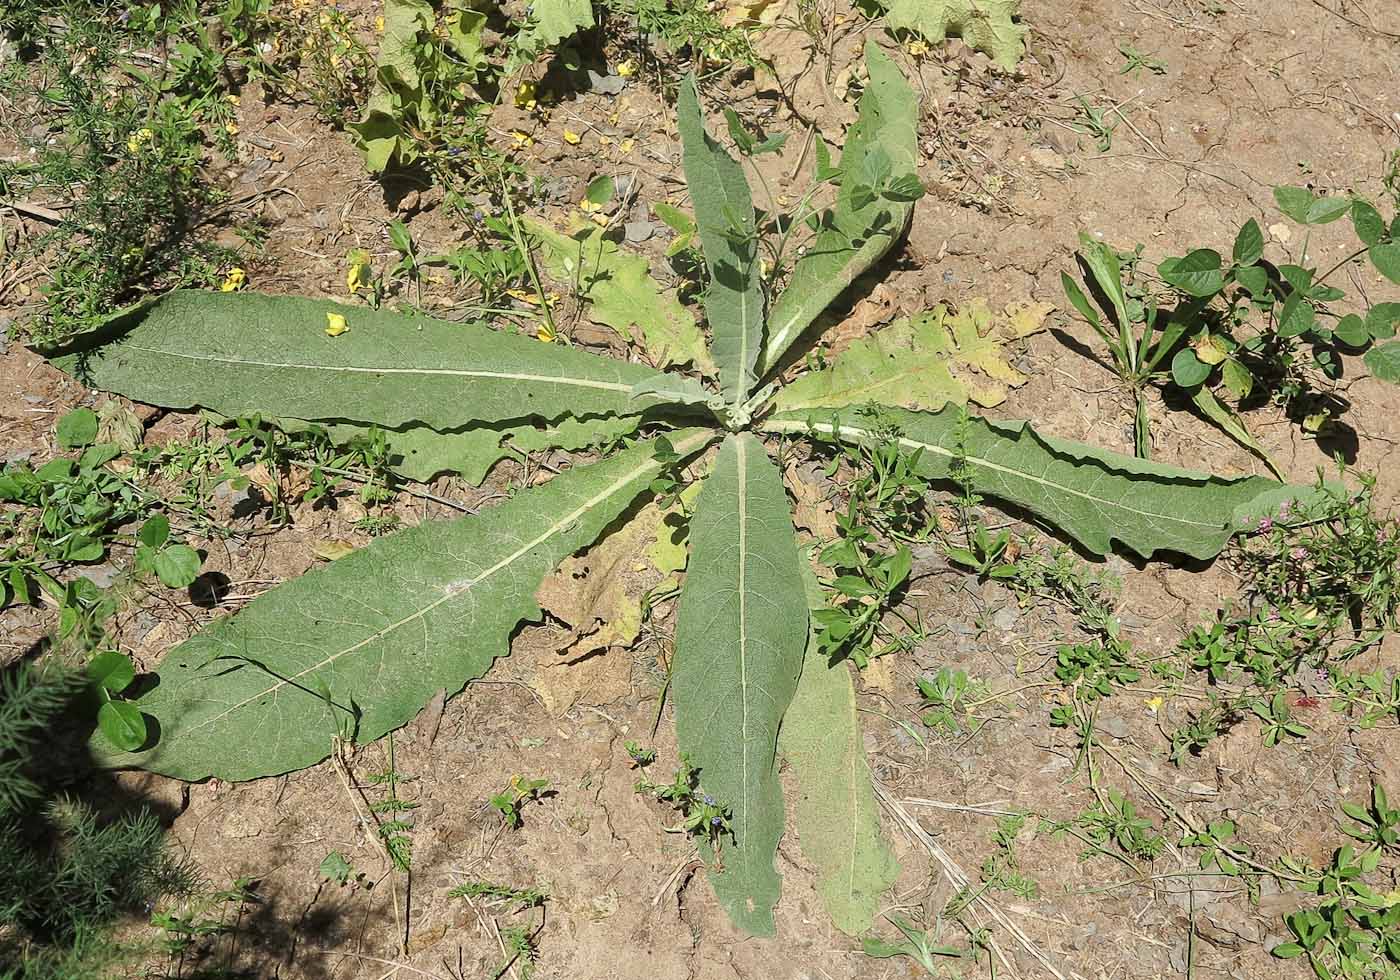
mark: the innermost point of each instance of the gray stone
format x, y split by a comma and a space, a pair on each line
101, 576
1113, 725
1006, 618
605, 84
638, 231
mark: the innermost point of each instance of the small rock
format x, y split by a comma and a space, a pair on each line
1113, 725
226, 495
254, 170
101, 576
18, 457
33, 399
638, 231
1046, 158
605, 84
1006, 618
1280, 232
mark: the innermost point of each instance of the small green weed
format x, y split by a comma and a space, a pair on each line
702, 816
946, 696
1134, 61
510, 801
521, 898
917, 944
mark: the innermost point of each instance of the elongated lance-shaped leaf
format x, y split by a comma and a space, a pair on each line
855, 233
838, 821
1093, 495
741, 631
420, 453
358, 647
725, 219
245, 353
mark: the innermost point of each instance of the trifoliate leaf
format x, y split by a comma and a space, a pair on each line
926, 361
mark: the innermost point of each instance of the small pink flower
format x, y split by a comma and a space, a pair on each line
1298, 554
1286, 507
1266, 524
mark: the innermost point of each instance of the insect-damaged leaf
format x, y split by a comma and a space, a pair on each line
856, 232
923, 362
988, 26
622, 294
741, 631
1095, 496
838, 822
245, 353
725, 219
358, 646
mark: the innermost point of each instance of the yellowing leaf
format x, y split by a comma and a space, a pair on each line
357, 275
622, 294
332, 549
988, 26
336, 325
924, 362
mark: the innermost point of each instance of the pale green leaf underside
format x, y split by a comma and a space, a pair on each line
556, 20
361, 644
837, 818
245, 353
852, 239
741, 632
984, 25
621, 294
1095, 496
724, 217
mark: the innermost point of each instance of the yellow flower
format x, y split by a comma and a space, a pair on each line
379, 24
918, 48
335, 325
604, 140
1153, 704
626, 145
627, 68
140, 139
233, 100
572, 138
589, 207
546, 334
526, 95
232, 128
358, 274
235, 279
522, 139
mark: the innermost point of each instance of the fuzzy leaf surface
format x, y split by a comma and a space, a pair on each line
923, 362
988, 26
1093, 495
837, 816
622, 294
741, 632
854, 234
420, 453
724, 217
245, 353
360, 645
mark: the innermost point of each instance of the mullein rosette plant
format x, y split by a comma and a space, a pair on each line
356, 648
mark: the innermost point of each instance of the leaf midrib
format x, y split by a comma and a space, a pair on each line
355, 369
557, 527
788, 425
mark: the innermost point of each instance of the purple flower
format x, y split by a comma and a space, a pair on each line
714, 821
709, 800
1298, 554
1266, 524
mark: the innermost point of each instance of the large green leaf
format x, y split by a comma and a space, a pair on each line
837, 817
988, 26
922, 362
1095, 496
241, 354
622, 294
856, 232
357, 647
420, 453
741, 631
724, 217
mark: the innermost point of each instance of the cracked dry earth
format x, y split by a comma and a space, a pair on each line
1255, 94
